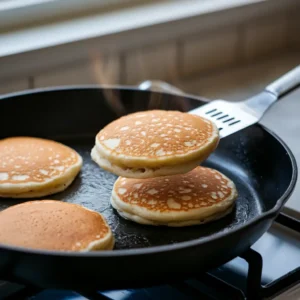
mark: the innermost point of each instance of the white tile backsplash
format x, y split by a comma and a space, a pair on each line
151, 63
208, 51
13, 86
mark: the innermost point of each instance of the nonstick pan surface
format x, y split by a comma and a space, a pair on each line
260, 164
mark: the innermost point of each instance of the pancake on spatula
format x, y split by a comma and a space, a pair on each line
197, 197
34, 167
54, 225
154, 143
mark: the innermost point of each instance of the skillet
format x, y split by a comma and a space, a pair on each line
261, 165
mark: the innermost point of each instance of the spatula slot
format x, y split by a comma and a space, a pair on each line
228, 120
211, 111
222, 117
216, 114
230, 124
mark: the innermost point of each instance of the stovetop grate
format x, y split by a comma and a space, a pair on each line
204, 286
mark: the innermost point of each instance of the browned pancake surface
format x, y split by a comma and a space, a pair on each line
51, 225
202, 187
26, 159
156, 134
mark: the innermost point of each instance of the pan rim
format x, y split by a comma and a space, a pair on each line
95, 86
270, 214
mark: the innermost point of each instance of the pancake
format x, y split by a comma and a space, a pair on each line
33, 167
54, 225
197, 197
154, 143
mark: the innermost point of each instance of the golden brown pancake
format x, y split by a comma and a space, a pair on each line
34, 167
154, 143
54, 225
196, 197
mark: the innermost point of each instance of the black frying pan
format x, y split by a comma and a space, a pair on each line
260, 164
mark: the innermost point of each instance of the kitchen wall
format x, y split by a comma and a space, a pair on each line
199, 54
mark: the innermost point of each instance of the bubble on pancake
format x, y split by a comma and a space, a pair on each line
44, 172
159, 134
4, 176
122, 191
112, 143
138, 185
152, 191
154, 145
160, 152
221, 195
186, 197
178, 192
185, 191
59, 168
20, 177
190, 143
173, 204
152, 202
214, 195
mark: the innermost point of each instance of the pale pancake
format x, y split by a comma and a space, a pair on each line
54, 225
40, 192
141, 172
34, 167
154, 143
199, 196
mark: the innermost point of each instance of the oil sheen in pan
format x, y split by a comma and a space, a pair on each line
93, 186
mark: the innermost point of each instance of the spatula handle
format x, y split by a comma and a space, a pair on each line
285, 83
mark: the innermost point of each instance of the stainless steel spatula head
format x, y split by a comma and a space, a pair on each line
231, 117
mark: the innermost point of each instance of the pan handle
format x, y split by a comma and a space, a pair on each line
159, 86
285, 83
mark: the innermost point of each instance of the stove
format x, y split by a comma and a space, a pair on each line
269, 270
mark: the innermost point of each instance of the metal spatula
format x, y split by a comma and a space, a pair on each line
231, 117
